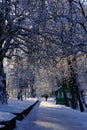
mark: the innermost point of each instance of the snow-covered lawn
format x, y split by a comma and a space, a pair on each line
6, 119
6, 116
17, 106
8, 111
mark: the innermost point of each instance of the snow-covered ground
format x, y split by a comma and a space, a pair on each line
7, 111
49, 116
44, 116
17, 106
6, 116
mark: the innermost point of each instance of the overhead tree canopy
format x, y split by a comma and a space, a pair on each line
44, 29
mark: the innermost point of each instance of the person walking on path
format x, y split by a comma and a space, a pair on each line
46, 97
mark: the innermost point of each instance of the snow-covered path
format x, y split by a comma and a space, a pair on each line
48, 116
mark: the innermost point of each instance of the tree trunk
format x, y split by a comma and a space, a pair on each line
65, 94
78, 96
74, 84
74, 103
3, 97
31, 90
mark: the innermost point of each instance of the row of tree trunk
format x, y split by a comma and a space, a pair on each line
73, 89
